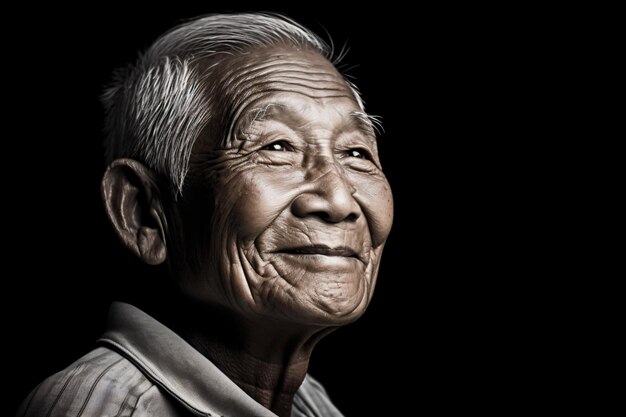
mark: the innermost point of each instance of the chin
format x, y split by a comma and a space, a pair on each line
333, 305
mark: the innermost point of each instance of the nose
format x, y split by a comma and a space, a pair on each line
331, 198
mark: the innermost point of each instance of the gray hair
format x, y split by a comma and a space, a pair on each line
157, 108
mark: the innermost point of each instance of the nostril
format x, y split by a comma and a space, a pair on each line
321, 214
329, 217
351, 217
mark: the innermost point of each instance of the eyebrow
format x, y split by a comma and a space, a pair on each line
367, 124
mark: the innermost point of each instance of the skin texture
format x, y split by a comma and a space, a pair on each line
281, 228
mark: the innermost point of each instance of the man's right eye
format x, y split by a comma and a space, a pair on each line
279, 146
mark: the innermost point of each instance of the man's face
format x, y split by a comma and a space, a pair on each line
302, 208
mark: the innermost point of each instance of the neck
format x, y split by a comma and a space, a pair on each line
268, 360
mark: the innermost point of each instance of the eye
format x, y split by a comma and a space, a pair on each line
278, 146
359, 153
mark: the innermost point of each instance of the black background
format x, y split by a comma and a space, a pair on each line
448, 327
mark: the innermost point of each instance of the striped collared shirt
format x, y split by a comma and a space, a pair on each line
142, 368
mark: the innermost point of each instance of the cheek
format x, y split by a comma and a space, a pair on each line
252, 199
376, 200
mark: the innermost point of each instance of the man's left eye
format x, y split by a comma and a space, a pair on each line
358, 153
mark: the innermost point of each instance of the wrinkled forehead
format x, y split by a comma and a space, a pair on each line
256, 78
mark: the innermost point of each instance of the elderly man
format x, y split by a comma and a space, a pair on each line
240, 157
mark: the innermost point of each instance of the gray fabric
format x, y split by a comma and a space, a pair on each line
312, 400
145, 369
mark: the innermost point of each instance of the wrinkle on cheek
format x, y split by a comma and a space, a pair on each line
269, 291
260, 266
234, 171
231, 279
245, 279
307, 233
376, 201
239, 190
226, 168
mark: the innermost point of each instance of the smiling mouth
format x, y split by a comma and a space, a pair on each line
341, 251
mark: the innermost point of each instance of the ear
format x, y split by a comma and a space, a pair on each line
132, 202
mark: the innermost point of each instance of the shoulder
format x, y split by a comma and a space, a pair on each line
312, 400
100, 383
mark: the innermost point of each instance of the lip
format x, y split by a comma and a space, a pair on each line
311, 250
322, 258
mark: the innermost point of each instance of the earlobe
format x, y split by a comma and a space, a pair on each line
132, 202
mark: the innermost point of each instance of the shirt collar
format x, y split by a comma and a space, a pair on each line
174, 365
